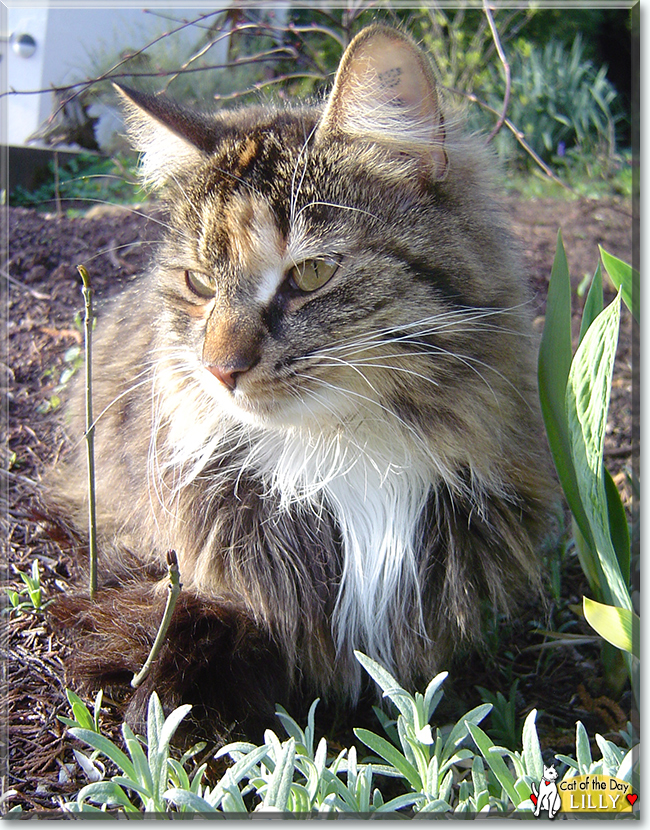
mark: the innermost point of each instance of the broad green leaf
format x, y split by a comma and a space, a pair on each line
107, 792
155, 720
279, 787
431, 783
554, 364
235, 748
495, 762
618, 527
594, 302
531, 747
515, 757
400, 801
108, 748
459, 731
478, 777
80, 710
612, 754
583, 750
129, 784
587, 402
179, 775
626, 279
588, 560
170, 726
628, 763
391, 688
245, 765
238, 771
619, 626
140, 762
192, 801
232, 801
310, 730
437, 806
412, 751
444, 793
523, 788
299, 800
292, 729
390, 754
433, 694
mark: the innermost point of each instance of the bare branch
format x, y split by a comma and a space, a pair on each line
231, 96
506, 68
515, 131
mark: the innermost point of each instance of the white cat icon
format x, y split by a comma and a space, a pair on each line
548, 798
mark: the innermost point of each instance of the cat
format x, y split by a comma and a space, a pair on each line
322, 396
548, 798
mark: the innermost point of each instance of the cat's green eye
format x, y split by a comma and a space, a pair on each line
313, 273
200, 284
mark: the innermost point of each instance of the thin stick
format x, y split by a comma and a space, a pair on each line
57, 192
506, 68
174, 590
90, 431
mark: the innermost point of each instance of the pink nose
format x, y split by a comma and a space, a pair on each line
231, 370
226, 376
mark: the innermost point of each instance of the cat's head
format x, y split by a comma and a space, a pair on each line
321, 261
550, 773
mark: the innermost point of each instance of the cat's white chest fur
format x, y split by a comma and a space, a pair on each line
371, 476
377, 489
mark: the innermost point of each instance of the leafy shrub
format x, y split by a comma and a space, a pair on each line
86, 177
558, 99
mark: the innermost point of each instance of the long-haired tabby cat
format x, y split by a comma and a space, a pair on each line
322, 396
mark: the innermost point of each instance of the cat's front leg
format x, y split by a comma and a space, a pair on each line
554, 804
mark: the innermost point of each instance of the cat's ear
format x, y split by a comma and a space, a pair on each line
385, 92
169, 138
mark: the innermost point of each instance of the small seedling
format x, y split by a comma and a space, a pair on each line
29, 598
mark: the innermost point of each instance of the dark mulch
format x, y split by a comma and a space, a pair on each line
43, 297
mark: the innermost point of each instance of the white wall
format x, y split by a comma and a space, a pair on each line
66, 39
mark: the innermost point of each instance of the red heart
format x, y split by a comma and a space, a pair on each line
533, 798
631, 797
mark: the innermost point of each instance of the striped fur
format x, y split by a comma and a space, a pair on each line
356, 466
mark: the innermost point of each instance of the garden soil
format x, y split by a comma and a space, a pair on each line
563, 680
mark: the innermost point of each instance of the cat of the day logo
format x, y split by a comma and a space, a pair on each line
590, 794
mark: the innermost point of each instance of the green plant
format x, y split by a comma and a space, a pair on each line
559, 100
143, 776
574, 394
505, 727
441, 773
88, 178
30, 597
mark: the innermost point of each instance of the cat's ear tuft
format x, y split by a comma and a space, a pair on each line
170, 139
385, 92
